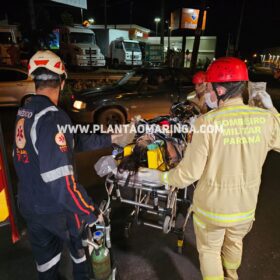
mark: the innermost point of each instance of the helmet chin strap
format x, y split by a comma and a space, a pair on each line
61, 79
219, 97
231, 92
60, 87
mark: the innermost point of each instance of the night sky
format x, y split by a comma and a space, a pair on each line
260, 28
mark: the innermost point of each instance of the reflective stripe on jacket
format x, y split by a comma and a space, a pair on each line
228, 163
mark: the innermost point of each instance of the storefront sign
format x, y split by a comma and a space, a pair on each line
186, 19
135, 33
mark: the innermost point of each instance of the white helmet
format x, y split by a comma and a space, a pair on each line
46, 59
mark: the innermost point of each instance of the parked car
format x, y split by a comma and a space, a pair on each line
149, 92
14, 85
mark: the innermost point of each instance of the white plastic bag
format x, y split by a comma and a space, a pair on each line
254, 88
105, 165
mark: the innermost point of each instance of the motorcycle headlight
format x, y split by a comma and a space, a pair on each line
79, 105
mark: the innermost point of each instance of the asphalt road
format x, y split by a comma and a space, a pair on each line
148, 253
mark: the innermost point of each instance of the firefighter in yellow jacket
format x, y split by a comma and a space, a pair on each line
228, 164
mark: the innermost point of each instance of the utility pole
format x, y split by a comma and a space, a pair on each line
198, 32
162, 22
32, 14
131, 13
184, 42
168, 34
82, 15
105, 14
239, 27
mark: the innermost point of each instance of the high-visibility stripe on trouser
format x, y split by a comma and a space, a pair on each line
230, 269
209, 241
77, 254
232, 249
213, 278
227, 218
230, 265
78, 260
48, 265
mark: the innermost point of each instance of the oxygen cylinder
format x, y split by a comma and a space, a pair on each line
100, 258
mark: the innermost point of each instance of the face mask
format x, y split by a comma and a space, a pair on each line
211, 104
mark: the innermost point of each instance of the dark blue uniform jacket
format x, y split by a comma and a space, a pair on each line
43, 158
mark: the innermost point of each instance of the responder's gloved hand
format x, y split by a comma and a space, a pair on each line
123, 139
265, 99
128, 134
92, 218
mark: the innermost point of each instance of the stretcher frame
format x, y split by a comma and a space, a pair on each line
152, 199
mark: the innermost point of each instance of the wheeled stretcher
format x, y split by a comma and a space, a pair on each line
152, 204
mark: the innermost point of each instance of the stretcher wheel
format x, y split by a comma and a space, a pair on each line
167, 224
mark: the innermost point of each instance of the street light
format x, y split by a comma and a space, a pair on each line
91, 20
88, 22
157, 20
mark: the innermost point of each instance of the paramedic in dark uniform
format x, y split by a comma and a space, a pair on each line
50, 199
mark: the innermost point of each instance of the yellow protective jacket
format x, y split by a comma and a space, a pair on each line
228, 163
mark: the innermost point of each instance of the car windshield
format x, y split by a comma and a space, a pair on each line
130, 80
82, 38
6, 38
132, 46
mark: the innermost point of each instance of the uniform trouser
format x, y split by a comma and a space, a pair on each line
47, 234
220, 249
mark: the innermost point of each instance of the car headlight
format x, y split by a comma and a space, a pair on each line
79, 105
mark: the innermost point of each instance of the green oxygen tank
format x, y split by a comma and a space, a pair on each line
100, 258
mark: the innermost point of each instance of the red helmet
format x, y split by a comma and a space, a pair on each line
199, 77
227, 69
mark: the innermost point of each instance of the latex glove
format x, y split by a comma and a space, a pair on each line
264, 97
105, 165
127, 137
122, 139
150, 175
